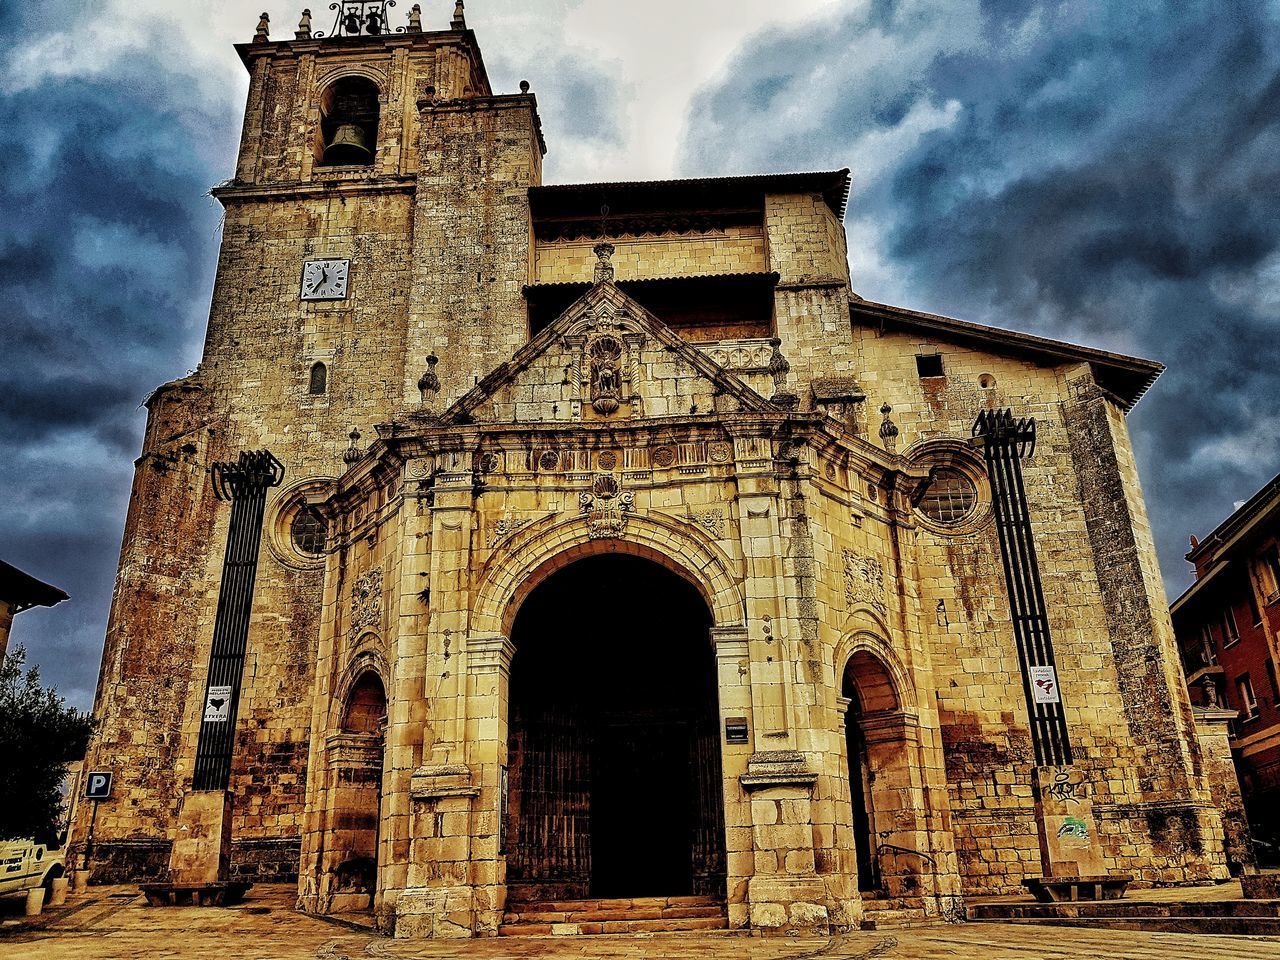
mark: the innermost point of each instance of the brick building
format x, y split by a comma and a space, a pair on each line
1228, 627
614, 547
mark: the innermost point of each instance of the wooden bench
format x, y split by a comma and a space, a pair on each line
1064, 889
223, 894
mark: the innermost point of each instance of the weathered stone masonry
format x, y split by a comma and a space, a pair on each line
507, 400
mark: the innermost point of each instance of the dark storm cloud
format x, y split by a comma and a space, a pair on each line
1107, 172
584, 103
107, 243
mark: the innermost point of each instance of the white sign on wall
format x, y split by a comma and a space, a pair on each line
217, 705
1044, 685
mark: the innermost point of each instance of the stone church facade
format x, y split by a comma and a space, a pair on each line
621, 548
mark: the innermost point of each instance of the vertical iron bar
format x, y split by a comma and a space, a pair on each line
1005, 442
245, 484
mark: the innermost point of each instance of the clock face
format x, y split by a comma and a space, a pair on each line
325, 279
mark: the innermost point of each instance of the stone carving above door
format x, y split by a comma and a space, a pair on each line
604, 358
366, 603
607, 343
864, 581
606, 507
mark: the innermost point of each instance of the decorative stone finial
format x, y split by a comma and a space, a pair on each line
263, 33
353, 453
524, 86
779, 368
304, 26
429, 383
415, 18
459, 21
889, 430
604, 265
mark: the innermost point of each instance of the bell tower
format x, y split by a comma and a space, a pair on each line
378, 214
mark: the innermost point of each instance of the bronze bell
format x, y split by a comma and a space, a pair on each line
350, 145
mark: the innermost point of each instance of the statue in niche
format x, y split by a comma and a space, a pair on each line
606, 378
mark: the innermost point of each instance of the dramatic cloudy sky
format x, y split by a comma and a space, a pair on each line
1105, 171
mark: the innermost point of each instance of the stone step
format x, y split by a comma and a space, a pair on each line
531, 914
1223, 926
622, 903
873, 904
594, 917
1126, 909
597, 928
885, 919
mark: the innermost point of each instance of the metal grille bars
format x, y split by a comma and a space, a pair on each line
1006, 442
245, 484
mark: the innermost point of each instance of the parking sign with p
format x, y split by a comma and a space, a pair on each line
97, 785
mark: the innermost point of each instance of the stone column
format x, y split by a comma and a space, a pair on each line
785, 892
439, 900
488, 690
733, 680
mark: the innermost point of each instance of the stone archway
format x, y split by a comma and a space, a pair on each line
356, 761
885, 795
615, 782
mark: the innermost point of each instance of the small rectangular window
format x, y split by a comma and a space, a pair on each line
1248, 703
1230, 632
1275, 684
929, 365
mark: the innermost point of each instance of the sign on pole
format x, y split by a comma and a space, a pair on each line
97, 785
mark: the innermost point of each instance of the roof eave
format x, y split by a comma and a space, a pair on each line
1130, 377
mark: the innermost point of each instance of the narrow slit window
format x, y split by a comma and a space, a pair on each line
319, 382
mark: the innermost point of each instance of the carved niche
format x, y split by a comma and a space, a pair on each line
607, 371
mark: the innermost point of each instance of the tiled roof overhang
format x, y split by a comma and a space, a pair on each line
25, 591
586, 199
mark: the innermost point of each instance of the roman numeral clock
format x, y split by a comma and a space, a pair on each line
325, 279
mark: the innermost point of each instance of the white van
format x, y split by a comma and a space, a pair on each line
25, 865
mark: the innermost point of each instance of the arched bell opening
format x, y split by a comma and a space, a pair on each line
883, 789
355, 762
615, 782
350, 110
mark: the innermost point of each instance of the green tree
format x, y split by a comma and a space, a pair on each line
39, 737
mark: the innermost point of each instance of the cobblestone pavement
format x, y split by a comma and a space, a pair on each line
114, 923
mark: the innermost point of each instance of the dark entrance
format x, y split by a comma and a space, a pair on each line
860, 796
614, 748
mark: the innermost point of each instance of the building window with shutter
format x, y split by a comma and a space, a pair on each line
1248, 702
1208, 648
1230, 631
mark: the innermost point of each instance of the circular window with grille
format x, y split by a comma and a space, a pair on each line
297, 533
309, 532
950, 498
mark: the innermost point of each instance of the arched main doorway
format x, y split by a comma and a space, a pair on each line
614, 760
